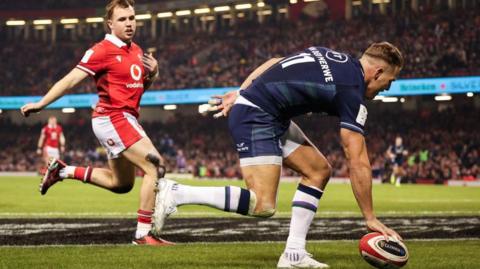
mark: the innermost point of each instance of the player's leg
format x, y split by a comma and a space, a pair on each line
257, 200
257, 137
120, 178
130, 141
45, 156
395, 173
399, 175
144, 155
302, 156
110, 132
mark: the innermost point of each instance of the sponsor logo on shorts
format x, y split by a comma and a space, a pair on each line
110, 142
241, 147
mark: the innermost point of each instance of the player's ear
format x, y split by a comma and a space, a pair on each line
378, 72
110, 25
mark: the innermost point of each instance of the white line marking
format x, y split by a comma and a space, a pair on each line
223, 214
235, 242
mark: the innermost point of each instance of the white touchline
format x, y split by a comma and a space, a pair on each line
223, 214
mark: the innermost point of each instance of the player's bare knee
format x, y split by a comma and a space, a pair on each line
260, 207
264, 212
320, 176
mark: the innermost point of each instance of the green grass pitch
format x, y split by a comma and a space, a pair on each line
19, 197
339, 254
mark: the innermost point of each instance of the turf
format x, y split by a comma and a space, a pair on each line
341, 254
19, 197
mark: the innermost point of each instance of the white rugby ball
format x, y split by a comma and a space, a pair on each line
381, 253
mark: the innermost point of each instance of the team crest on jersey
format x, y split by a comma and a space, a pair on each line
119, 58
336, 56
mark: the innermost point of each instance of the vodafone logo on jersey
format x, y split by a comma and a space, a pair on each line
135, 72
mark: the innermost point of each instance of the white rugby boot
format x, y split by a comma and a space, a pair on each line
301, 259
164, 203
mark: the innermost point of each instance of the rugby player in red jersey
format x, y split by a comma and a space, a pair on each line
52, 141
121, 72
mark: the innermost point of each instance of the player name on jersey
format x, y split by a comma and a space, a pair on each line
327, 73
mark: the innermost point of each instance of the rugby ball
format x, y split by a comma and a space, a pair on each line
381, 253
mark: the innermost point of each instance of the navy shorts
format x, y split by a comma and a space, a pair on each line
259, 137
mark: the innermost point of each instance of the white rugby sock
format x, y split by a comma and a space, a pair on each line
144, 223
224, 198
304, 207
67, 172
142, 229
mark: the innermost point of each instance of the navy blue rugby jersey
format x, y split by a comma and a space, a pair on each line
318, 80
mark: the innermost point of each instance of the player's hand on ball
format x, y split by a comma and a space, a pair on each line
223, 103
29, 108
375, 225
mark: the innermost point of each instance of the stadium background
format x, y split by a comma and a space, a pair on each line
211, 44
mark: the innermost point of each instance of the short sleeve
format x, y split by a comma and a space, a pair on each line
93, 61
351, 109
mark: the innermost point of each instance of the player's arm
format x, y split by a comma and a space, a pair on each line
225, 102
257, 72
58, 90
361, 178
41, 140
151, 66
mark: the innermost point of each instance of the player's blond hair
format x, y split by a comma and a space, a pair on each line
112, 5
387, 52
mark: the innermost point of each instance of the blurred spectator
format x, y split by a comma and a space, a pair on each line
443, 43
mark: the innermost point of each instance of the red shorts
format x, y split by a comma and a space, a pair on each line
117, 132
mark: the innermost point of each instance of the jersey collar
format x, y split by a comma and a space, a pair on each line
115, 40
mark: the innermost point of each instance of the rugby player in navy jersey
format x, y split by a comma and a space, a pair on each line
397, 154
259, 115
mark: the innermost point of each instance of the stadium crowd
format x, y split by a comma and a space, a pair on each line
441, 145
435, 43
440, 43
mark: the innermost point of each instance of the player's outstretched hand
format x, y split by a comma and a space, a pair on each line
375, 225
29, 108
150, 63
223, 103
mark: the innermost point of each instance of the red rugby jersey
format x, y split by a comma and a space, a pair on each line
118, 72
52, 135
